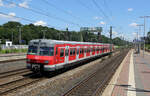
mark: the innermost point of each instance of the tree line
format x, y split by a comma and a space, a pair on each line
10, 31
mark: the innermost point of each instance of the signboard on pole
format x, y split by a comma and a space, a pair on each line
91, 29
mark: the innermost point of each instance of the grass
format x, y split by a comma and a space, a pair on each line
6, 51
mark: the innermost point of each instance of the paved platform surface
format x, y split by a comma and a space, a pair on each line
132, 78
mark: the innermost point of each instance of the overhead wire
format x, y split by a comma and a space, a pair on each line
64, 11
100, 9
85, 6
106, 5
44, 14
25, 19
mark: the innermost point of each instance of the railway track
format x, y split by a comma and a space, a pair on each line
14, 72
95, 83
23, 82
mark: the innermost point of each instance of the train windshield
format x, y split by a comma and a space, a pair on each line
32, 50
46, 51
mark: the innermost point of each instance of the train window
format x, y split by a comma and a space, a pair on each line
32, 50
91, 49
62, 53
77, 50
56, 50
81, 50
88, 49
46, 51
66, 52
73, 51
85, 50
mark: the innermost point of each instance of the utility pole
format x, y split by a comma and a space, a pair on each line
12, 36
138, 32
67, 34
99, 35
111, 38
144, 31
19, 34
44, 33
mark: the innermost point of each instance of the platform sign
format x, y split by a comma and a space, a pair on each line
91, 29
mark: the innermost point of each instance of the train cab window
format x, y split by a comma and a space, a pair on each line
32, 50
46, 51
61, 52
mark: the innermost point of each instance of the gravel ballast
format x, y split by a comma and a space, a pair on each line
58, 85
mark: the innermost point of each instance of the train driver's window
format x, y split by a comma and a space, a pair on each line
62, 53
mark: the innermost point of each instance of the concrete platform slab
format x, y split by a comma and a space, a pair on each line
132, 78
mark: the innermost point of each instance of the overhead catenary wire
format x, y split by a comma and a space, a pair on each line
44, 14
25, 19
64, 11
85, 6
100, 10
106, 5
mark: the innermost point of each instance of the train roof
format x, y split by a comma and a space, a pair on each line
53, 42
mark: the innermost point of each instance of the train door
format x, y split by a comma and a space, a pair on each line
60, 56
77, 56
67, 54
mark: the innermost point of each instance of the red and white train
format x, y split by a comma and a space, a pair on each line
50, 55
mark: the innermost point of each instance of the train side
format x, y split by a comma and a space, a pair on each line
50, 55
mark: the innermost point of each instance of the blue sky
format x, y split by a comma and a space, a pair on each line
123, 15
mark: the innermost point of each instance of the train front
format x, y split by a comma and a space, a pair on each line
40, 55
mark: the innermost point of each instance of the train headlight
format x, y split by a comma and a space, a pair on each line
46, 61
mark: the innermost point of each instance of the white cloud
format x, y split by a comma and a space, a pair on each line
114, 33
97, 18
102, 23
7, 5
42, 23
24, 4
1, 3
130, 9
12, 14
133, 24
9, 17
11, 5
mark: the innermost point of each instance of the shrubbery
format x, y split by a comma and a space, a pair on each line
5, 51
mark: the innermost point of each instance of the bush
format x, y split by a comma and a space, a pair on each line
13, 51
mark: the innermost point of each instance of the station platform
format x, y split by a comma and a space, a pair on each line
132, 78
